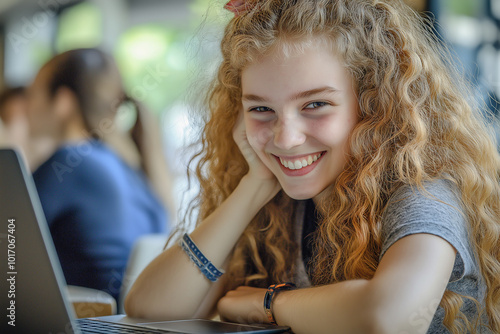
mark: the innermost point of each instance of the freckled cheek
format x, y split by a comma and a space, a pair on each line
258, 133
332, 132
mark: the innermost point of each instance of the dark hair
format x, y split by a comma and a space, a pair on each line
86, 72
94, 78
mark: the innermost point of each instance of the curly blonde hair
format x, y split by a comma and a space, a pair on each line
415, 125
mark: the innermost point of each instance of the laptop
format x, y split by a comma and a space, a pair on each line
32, 288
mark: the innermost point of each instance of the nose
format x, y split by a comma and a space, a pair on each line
288, 133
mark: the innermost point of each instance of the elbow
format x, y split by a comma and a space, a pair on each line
131, 306
391, 320
370, 321
378, 315
378, 326
136, 306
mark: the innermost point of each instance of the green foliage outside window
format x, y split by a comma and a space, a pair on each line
79, 27
470, 8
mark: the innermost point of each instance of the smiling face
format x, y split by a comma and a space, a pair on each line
299, 113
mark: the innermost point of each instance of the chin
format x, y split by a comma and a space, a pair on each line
300, 195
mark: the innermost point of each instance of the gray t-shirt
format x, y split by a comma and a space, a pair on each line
436, 211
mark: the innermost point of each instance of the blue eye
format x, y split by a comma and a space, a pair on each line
261, 109
315, 105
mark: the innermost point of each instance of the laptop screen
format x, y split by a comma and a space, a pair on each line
31, 298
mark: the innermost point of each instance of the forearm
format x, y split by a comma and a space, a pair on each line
343, 307
402, 296
171, 287
218, 233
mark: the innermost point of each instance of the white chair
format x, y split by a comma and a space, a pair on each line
90, 302
145, 249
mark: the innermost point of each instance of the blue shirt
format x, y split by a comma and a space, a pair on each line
96, 207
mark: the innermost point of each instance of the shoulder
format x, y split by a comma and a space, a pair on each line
436, 209
436, 189
91, 183
87, 165
439, 199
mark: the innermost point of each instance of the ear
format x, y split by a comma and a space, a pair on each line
65, 104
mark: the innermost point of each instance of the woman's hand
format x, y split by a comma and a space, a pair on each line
245, 305
257, 168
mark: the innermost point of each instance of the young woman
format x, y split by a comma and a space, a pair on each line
97, 200
341, 154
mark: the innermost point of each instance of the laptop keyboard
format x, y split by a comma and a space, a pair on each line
90, 326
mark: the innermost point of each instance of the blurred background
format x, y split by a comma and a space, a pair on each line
167, 49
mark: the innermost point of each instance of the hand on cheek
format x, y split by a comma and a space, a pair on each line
242, 138
243, 305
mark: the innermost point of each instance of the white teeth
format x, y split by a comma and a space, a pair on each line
298, 164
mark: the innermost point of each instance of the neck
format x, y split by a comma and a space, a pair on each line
75, 132
321, 195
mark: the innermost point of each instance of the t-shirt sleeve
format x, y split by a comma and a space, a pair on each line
437, 211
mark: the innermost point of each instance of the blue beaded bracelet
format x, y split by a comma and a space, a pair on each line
206, 267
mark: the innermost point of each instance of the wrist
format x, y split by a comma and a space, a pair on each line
260, 191
270, 299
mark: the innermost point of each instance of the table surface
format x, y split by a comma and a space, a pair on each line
122, 318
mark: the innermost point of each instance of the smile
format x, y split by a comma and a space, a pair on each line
302, 162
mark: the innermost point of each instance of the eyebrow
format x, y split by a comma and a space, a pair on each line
300, 95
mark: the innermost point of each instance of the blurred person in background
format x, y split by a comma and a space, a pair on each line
13, 115
3, 136
95, 188
15, 130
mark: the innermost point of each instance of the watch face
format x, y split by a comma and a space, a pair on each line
268, 299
